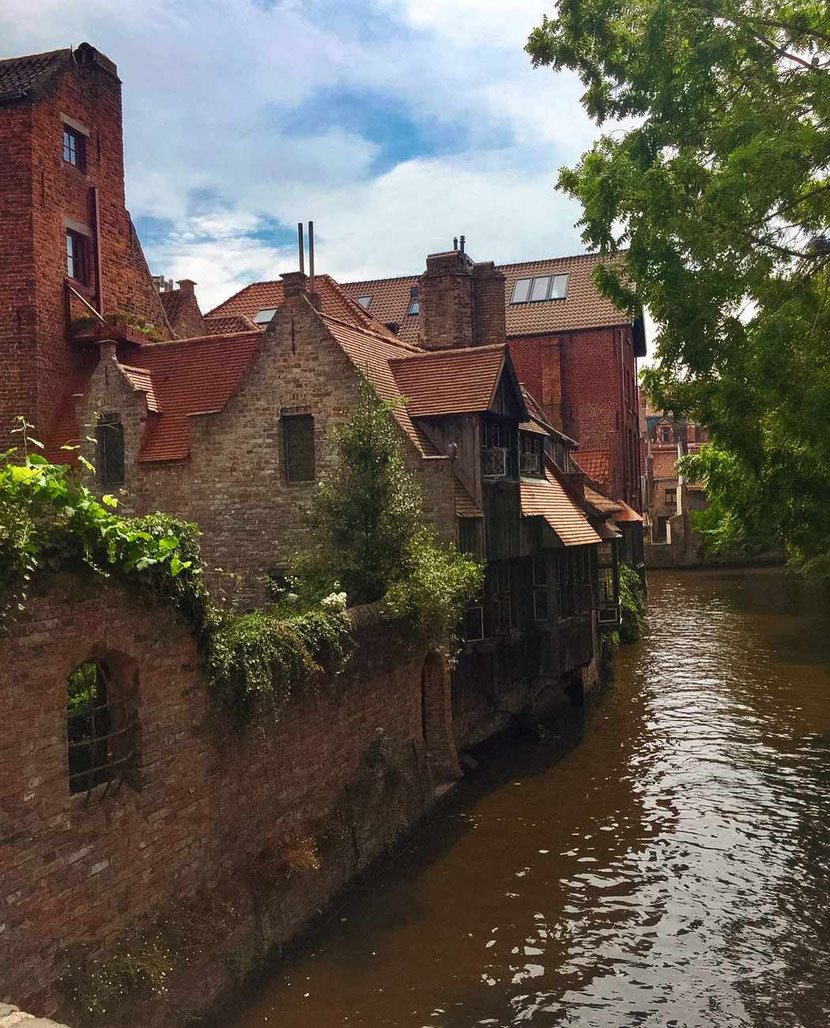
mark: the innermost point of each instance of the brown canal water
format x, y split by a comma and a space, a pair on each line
661, 859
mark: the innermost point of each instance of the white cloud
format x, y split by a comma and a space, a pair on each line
207, 87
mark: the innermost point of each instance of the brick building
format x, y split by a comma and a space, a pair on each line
573, 349
64, 224
667, 494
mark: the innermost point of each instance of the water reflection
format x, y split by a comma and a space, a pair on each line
666, 867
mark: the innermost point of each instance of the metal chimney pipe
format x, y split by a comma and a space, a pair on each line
311, 253
462, 244
301, 246
455, 242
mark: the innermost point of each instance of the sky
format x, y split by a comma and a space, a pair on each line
393, 124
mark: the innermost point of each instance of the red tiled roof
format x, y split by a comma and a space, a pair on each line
336, 302
547, 498
141, 379
460, 381
628, 513
583, 307
372, 354
595, 464
19, 76
596, 499
190, 376
664, 463
223, 325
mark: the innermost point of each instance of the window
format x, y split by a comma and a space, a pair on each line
573, 581
77, 256
101, 730
414, 303
74, 147
671, 497
364, 301
665, 433
541, 287
496, 450
264, 316
541, 610
531, 455
298, 432
110, 437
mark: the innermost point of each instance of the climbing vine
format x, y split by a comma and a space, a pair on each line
632, 604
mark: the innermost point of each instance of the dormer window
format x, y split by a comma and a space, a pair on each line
531, 447
541, 287
74, 147
414, 304
364, 301
77, 256
264, 316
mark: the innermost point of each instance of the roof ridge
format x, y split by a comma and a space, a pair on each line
32, 57
390, 339
460, 349
215, 338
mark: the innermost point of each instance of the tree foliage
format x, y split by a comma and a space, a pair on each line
712, 203
371, 537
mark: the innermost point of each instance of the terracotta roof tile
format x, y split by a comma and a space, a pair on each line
192, 376
371, 354
583, 307
628, 513
548, 499
596, 499
336, 302
141, 379
664, 463
19, 76
595, 464
228, 324
460, 381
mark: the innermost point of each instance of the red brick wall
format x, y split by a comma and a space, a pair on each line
34, 200
586, 384
211, 809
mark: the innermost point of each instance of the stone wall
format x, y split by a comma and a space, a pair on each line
212, 817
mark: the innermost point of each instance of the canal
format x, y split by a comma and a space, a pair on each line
659, 859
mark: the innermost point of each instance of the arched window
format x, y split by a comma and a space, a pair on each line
101, 730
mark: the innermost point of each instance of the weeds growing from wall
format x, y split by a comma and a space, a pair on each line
632, 604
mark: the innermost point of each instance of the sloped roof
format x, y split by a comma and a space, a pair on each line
628, 513
372, 354
230, 323
462, 381
664, 463
583, 306
21, 76
596, 499
594, 463
547, 498
190, 376
140, 378
465, 505
336, 302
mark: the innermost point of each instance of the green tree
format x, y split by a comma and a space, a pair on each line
712, 203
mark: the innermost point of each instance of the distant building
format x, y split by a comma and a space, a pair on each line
669, 496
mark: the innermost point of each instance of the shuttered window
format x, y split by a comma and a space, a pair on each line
298, 435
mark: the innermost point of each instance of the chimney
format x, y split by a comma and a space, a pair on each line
294, 283
461, 303
445, 297
187, 285
489, 304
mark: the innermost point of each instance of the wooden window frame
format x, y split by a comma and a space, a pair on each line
104, 436
291, 421
78, 261
71, 136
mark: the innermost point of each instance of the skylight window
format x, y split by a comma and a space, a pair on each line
364, 301
264, 316
414, 304
540, 287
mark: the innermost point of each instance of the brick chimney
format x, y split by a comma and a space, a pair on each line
460, 303
187, 286
294, 283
